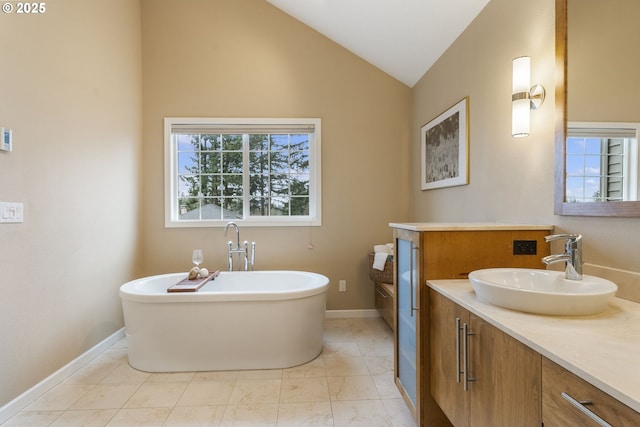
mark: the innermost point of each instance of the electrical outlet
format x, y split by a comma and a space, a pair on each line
342, 286
525, 247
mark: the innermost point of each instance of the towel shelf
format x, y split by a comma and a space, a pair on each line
384, 291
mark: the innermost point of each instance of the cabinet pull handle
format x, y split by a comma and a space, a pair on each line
458, 371
412, 284
382, 294
465, 357
580, 406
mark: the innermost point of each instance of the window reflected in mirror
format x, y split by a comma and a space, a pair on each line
601, 162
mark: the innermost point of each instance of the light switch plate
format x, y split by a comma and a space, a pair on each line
11, 212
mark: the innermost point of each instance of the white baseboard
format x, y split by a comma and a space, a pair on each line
16, 405
340, 314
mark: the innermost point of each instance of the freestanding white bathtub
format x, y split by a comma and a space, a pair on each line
240, 320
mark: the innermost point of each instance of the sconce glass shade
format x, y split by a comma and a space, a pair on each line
521, 74
520, 119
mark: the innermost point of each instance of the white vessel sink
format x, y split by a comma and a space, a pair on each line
542, 291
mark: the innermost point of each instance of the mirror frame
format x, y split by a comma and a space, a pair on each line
561, 207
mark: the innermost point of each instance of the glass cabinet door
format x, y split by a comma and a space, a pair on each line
407, 316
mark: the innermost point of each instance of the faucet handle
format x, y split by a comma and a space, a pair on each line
566, 236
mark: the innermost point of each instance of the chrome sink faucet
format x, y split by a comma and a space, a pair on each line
572, 254
240, 250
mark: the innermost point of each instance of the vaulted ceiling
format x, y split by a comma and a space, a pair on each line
404, 38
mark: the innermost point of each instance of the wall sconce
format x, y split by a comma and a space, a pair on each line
524, 98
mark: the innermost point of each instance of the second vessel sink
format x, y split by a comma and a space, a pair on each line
542, 291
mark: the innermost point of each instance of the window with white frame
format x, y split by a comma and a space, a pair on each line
601, 162
258, 172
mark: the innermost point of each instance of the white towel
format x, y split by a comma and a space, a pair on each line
381, 252
379, 259
382, 248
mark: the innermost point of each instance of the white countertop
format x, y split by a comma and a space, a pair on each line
466, 226
602, 349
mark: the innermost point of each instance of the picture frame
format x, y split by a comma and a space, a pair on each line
445, 148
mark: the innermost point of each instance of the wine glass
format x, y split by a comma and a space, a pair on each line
197, 257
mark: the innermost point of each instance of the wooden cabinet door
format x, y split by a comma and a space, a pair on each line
507, 379
446, 353
558, 412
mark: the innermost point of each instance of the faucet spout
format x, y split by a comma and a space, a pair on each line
552, 259
572, 255
237, 229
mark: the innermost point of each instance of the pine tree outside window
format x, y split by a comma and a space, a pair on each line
259, 172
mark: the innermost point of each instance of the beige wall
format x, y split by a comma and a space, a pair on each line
511, 180
224, 58
70, 89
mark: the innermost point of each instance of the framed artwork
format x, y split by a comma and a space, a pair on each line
445, 148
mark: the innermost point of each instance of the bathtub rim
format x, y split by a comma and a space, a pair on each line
128, 292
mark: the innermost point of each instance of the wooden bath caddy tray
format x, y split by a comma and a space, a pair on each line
187, 285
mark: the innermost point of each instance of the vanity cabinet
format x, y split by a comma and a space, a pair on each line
429, 251
480, 376
568, 400
596, 380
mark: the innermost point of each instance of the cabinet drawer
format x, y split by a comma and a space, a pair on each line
384, 302
558, 411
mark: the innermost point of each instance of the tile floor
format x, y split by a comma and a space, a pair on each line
349, 384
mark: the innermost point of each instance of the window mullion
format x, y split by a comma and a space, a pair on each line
267, 197
604, 166
175, 190
246, 178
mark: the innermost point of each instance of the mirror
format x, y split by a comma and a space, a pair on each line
596, 63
